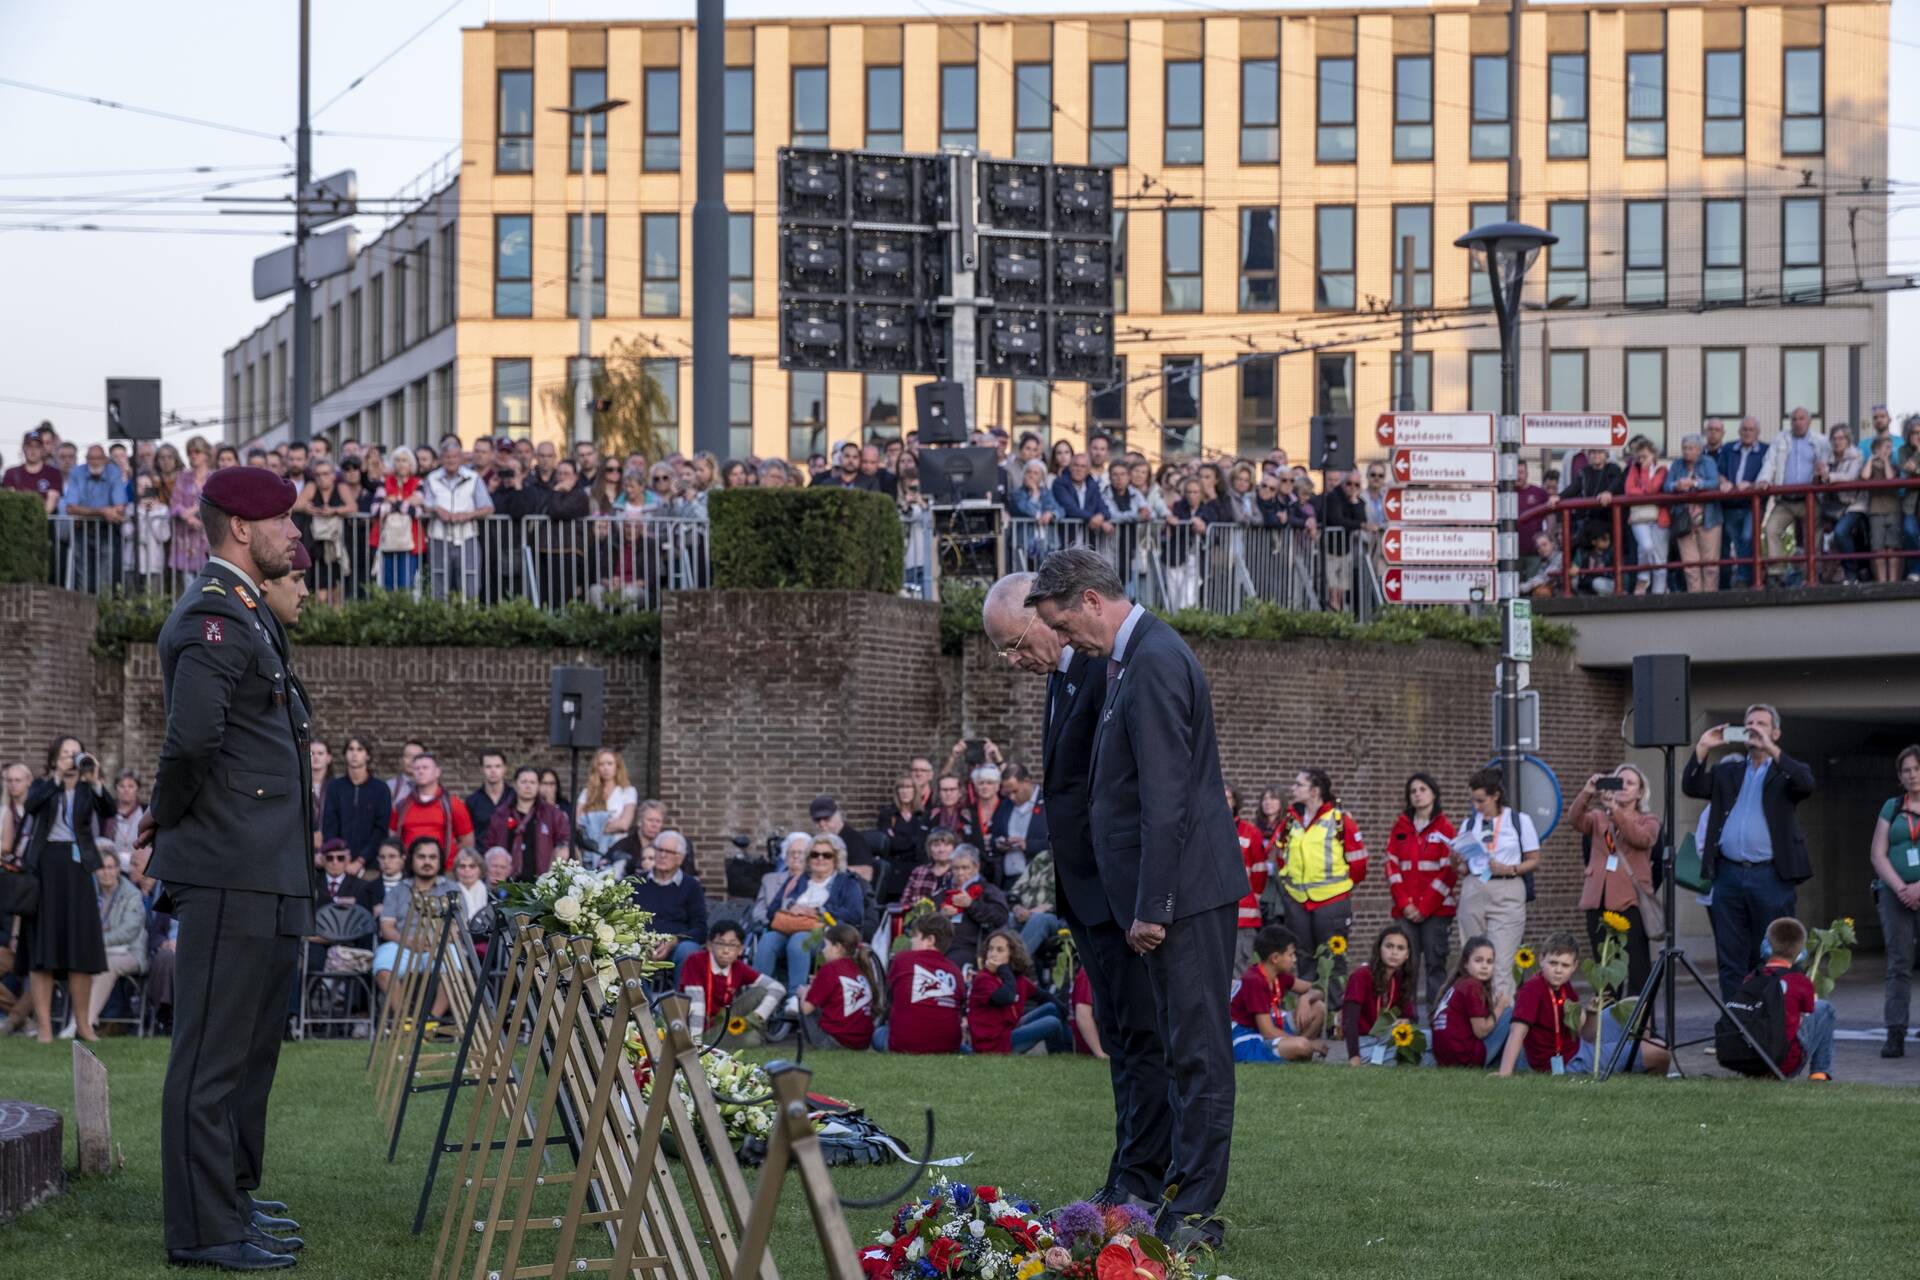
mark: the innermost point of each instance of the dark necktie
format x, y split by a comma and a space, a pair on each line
1113, 670
1053, 694
333, 886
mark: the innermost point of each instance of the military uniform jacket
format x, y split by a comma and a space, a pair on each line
231, 795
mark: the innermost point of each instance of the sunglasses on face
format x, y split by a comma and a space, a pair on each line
337, 857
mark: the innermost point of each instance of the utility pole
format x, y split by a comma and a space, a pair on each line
964, 248
711, 344
302, 291
1406, 403
1514, 9
583, 264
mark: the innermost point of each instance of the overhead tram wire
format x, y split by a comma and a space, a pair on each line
145, 111
390, 55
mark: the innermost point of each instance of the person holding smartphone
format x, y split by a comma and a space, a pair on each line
64, 941
1612, 810
1755, 852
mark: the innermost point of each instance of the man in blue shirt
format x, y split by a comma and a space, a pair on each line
1797, 456
1740, 463
95, 501
1755, 852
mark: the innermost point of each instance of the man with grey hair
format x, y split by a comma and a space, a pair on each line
676, 900
1754, 852
1797, 456
1122, 989
1741, 461
1168, 857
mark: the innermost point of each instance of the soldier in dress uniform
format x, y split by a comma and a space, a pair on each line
230, 831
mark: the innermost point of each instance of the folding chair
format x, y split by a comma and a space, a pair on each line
347, 926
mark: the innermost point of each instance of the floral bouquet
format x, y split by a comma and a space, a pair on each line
1406, 1039
569, 899
729, 1078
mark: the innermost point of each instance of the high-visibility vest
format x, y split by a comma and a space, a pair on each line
1316, 869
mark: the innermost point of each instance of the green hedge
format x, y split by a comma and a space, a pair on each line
820, 539
398, 620
23, 537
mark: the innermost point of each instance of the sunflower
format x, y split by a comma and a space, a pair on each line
736, 1026
1615, 921
1337, 945
1523, 958
828, 917
1402, 1034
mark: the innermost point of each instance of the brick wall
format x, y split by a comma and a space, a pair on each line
51, 691
770, 698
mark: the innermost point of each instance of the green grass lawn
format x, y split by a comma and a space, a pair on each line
1335, 1172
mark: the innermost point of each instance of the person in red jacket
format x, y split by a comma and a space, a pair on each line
1259, 860
1385, 986
997, 999
841, 1005
1421, 877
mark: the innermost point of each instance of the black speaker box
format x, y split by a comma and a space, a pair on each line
574, 707
1332, 440
941, 410
1661, 716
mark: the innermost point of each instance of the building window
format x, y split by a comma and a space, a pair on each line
739, 407
1413, 222
1180, 261
378, 303
1492, 134
401, 261
1107, 137
1646, 284
959, 105
1186, 104
1567, 260
1566, 106
512, 395
806, 413
1566, 381
1413, 108
738, 144
664, 373
1646, 104
1483, 382
660, 148
1801, 377
1646, 378
1333, 257
1259, 421
1033, 406
884, 129
443, 398
660, 264
314, 362
1119, 259
1259, 261
1107, 406
513, 147
355, 333
809, 107
1260, 111
1422, 385
422, 411
334, 334
880, 407
1723, 383
1800, 249
588, 88
1337, 141
1803, 92
449, 255
422, 290
1479, 291
1033, 112
599, 248
1180, 406
739, 264
1724, 131
512, 270
373, 429
1723, 278
397, 416
1333, 383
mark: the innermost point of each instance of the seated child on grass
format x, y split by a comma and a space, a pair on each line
923, 993
1262, 1030
1385, 986
842, 1004
1469, 1022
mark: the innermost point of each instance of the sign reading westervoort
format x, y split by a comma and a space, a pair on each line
1444, 466
1439, 506
1435, 430
1573, 430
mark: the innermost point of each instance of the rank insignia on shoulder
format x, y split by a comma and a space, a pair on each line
246, 598
213, 589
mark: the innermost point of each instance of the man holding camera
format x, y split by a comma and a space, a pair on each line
1755, 853
229, 830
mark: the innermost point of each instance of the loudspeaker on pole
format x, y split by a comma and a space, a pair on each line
574, 707
1662, 716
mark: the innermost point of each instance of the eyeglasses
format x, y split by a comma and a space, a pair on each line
722, 945
1376, 475
337, 857
823, 853
1014, 648
1351, 484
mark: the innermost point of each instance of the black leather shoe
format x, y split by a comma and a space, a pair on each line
1186, 1234
267, 1222
1108, 1195
1896, 1045
267, 1206
241, 1255
276, 1244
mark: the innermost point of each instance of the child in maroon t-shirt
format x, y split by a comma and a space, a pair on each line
1539, 1031
923, 994
1384, 987
997, 1000
1466, 1018
1086, 1029
839, 1006
1261, 1030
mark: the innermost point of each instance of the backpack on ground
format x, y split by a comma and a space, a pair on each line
1760, 1005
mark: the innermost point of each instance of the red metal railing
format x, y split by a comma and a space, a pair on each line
1809, 556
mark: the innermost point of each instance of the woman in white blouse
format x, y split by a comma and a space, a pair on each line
1497, 848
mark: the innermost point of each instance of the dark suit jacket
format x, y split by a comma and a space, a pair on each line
89, 802
231, 792
1162, 837
1787, 783
365, 893
1073, 698
1037, 834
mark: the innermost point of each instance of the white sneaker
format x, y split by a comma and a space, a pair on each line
69, 1031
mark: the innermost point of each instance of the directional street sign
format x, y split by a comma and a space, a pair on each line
1437, 586
1439, 506
1436, 430
1573, 430
328, 254
329, 199
1444, 466
1438, 546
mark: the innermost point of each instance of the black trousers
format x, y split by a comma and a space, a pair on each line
1192, 970
235, 963
1123, 1009
1432, 939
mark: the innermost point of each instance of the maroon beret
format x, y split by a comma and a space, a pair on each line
250, 493
302, 559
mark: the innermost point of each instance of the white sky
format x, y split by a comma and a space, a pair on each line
77, 307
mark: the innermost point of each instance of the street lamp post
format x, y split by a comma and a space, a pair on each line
1504, 250
583, 267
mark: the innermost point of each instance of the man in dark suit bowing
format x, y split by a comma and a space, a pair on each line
1122, 991
1167, 856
